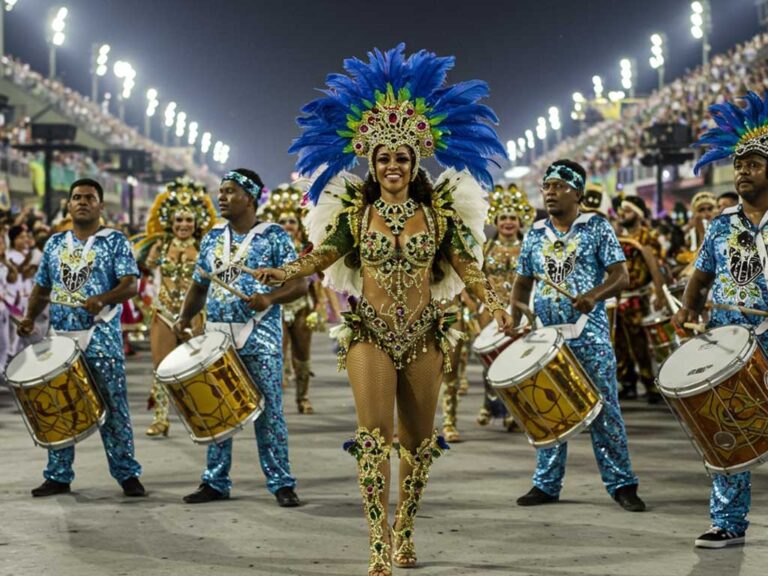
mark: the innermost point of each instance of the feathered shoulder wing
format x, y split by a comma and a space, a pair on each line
341, 198
460, 202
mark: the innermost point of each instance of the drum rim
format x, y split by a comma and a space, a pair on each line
537, 367
70, 361
577, 429
653, 319
743, 467
218, 438
717, 378
201, 366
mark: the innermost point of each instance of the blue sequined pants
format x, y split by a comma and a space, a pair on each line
729, 501
116, 432
271, 431
609, 437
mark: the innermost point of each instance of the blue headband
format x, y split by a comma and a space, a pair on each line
567, 175
244, 182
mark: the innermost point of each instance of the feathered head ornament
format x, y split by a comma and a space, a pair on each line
512, 200
284, 200
394, 101
182, 194
739, 131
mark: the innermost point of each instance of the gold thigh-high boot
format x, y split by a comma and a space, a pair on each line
303, 373
413, 486
370, 451
160, 423
450, 405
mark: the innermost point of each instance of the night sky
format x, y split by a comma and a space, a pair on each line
242, 69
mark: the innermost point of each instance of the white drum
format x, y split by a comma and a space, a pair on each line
55, 394
210, 388
717, 386
545, 388
490, 342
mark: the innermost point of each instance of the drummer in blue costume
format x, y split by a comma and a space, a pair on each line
579, 253
92, 268
731, 263
245, 242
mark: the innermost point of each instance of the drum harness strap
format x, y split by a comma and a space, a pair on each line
105, 315
574, 330
761, 250
238, 331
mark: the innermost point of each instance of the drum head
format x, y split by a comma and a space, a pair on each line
490, 338
193, 356
706, 360
42, 361
525, 356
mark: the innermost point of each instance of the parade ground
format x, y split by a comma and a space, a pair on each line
469, 523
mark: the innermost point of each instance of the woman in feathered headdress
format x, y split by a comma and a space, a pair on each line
180, 216
399, 244
304, 315
510, 214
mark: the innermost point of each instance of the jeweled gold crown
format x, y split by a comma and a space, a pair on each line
512, 200
394, 121
285, 199
183, 194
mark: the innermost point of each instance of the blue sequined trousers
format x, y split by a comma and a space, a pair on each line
609, 437
729, 501
271, 431
116, 432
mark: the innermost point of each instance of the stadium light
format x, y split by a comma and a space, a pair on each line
205, 143
193, 132
628, 73
521, 145
152, 104
701, 26
181, 124
597, 86
56, 36
224, 155
658, 55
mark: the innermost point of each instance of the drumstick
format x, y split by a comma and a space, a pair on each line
695, 327
742, 309
551, 284
213, 278
253, 272
67, 304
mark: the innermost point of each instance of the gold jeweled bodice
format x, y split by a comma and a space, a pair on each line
176, 265
501, 266
396, 272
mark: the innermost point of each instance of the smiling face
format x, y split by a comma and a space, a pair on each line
750, 175
183, 224
508, 225
393, 169
289, 223
85, 205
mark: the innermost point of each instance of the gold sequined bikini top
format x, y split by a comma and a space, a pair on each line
501, 259
377, 250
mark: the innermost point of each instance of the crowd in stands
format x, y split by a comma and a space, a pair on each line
616, 144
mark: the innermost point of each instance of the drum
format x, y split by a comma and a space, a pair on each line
210, 387
715, 385
663, 339
54, 392
545, 388
490, 342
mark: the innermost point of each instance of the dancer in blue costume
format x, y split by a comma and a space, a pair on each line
579, 252
731, 265
244, 241
91, 267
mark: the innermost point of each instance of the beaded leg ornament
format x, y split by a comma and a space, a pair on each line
413, 486
303, 373
370, 451
450, 405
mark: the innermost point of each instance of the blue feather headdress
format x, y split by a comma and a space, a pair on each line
739, 131
394, 101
